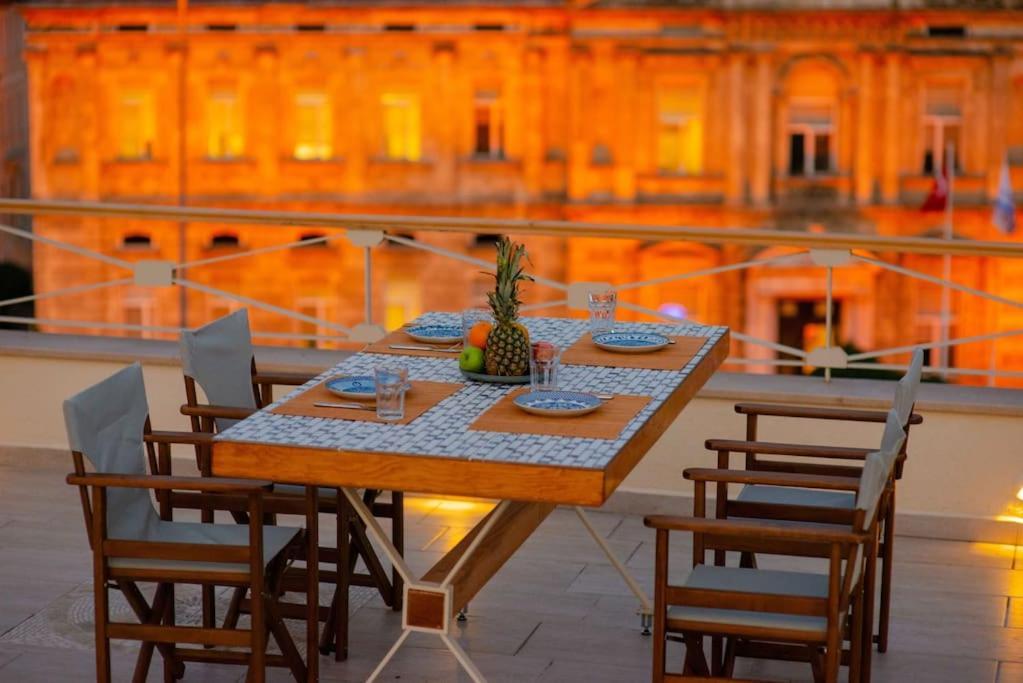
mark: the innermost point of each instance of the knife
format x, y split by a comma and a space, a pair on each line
410, 347
346, 406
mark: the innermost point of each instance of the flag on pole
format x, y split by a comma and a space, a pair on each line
1004, 214
937, 198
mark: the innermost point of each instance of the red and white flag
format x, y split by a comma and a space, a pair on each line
937, 199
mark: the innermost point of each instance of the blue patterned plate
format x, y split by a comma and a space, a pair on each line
354, 386
435, 334
557, 403
631, 342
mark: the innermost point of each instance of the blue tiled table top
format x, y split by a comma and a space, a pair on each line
444, 429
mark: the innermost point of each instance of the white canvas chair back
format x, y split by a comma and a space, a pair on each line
105, 424
877, 468
908, 387
218, 357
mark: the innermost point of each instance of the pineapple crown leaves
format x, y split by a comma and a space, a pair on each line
504, 299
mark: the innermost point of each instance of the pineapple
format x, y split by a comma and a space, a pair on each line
507, 350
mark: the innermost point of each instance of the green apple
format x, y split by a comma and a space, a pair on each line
471, 359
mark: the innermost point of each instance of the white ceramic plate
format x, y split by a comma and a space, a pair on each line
631, 342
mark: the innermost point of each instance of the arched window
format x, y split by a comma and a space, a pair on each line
310, 237
224, 240
137, 240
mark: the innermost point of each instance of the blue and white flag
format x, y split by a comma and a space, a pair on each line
1004, 215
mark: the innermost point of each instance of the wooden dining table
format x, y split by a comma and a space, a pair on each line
446, 451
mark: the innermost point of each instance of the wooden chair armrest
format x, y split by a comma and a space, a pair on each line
184, 438
818, 413
808, 481
760, 529
805, 450
164, 483
226, 412
293, 379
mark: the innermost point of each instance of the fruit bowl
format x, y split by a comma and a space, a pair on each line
495, 379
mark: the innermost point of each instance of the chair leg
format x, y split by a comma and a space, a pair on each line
209, 595
869, 586
344, 577
398, 539
169, 658
887, 557
856, 644
257, 657
716, 655
833, 651
816, 667
696, 659
100, 600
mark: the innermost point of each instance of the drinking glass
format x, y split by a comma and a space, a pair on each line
602, 310
391, 384
471, 316
544, 362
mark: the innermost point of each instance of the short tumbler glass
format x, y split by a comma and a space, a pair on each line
391, 384
471, 316
602, 310
544, 362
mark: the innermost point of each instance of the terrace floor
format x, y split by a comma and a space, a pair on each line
556, 612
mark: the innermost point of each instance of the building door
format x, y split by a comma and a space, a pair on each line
801, 324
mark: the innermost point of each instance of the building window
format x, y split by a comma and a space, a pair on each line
679, 132
401, 127
942, 126
811, 133
488, 126
224, 240
136, 126
313, 129
137, 241
224, 126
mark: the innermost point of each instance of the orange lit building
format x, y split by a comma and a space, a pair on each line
803, 116
13, 133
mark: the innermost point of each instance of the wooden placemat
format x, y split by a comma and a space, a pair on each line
399, 336
607, 422
420, 398
672, 357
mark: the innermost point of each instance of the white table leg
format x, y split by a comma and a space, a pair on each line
646, 610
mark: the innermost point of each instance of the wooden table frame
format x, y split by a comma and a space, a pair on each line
528, 493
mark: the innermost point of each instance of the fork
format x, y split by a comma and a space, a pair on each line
347, 406
454, 348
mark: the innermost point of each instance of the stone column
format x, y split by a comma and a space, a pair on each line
447, 144
998, 117
735, 174
579, 140
890, 189
266, 134
358, 108
532, 133
864, 172
36, 62
624, 182
90, 91
763, 113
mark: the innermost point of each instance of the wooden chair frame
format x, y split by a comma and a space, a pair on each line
157, 629
752, 448
845, 596
349, 546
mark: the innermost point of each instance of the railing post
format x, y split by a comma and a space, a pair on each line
829, 298
367, 285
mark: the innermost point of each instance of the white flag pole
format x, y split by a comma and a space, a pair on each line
946, 261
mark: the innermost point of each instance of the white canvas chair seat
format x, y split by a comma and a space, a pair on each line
759, 581
787, 495
299, 490
275, 539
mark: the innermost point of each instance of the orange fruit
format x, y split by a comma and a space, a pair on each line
478, 334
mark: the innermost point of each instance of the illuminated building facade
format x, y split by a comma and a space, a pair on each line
822, 116
13, 131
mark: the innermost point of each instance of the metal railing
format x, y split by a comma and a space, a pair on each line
368, 232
